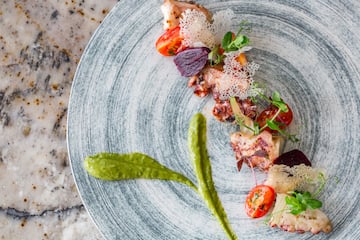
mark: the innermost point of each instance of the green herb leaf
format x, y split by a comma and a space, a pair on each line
322, 180
294, 205
215, 57
313, 203
231, 43
244, 26
239, 42
305, 195
226, 40
276, 96
272, 125
280, 105
275, 126
274, 100
201, 162
299, 202
114, 166
278, 102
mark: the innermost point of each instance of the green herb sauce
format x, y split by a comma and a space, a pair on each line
115, 166
202, 166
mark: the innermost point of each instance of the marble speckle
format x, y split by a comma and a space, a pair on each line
41, 43
68, 224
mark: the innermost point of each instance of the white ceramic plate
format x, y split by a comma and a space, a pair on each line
126, 97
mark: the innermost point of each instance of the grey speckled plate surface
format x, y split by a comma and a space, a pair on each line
126, 97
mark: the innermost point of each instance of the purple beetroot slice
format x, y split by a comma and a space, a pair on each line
191, 61
292, 158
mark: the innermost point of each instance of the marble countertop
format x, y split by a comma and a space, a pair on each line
41, 43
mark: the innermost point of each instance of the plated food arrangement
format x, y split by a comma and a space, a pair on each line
126, 97
215, 61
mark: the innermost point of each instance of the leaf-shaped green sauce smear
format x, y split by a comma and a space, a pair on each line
115, 166
202, 165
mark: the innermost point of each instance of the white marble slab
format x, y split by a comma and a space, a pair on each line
41, 43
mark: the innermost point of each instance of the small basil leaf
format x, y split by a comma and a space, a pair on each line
275, 126
306, 195
313, 203
241, 41
299, 202
292, 201
227, 40
276, 96
272, 125
281, 105
296, 211
278, 102
238, 40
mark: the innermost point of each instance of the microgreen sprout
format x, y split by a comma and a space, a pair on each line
298, 202
256, 88
215, 57
322, 180
274, 100
245, 26
254, 127
273, 125
233, 43
230, 43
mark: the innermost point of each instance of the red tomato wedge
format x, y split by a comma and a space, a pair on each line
169, 43
284, 118
259, 201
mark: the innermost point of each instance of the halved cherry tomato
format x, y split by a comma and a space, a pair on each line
169, 43
284, 118
259, 201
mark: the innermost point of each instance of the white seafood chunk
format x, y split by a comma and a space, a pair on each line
311, 220
283, 178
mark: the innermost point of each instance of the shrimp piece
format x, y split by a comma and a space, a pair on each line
172, 11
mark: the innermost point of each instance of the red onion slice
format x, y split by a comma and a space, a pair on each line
191, 61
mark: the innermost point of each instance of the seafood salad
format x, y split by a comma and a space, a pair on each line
214, 59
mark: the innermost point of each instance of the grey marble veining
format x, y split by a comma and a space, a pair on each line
128, 98
41, 43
